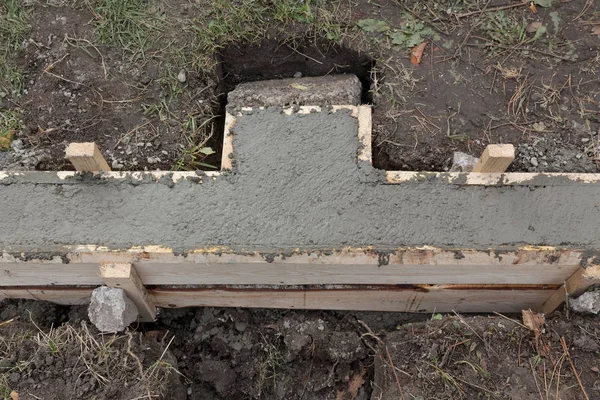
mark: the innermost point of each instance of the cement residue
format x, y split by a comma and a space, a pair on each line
296, 184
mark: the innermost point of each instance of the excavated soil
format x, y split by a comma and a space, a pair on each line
217, 353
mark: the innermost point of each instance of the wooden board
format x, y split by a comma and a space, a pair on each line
438, 299
575, 285
348, 266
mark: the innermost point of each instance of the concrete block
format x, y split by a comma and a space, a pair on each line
312, 91
588, 303
110, 309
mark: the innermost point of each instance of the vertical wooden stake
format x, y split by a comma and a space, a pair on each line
124, 276
86, 157
495, 158
577, 284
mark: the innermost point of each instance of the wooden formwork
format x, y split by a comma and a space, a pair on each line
423, 279
411, 279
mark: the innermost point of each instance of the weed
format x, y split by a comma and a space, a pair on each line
197, 134
269, 368
505, 29
14, 23
10, 123
412, 32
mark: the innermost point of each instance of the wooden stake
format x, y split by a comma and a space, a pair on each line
495, 158
86, 157
124, 276
577, 284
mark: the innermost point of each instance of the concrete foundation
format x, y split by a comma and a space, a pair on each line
296, 183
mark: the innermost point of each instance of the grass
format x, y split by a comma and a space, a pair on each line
14, 24
132, 25
269, 368
105, 359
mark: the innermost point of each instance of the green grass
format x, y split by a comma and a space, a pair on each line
132, 25
14, 24
505, 29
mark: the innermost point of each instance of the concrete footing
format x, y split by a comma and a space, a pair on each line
297, 208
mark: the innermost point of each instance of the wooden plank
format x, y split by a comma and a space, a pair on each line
64, 296
495, 158
124, 276
530, 179
227, 153
438, 299
577, 284
365, 128
86, 157
263, 273
159, 266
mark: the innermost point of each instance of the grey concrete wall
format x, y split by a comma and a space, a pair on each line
296, 183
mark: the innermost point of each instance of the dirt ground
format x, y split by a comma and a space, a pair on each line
147, 81
51, 352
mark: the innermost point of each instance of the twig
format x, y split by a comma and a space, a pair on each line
510, 319
564, 345
395, 374
304, 55
585, 8
479, 12
519, 48
535, 380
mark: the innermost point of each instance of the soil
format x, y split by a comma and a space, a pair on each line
288, 354
488, 77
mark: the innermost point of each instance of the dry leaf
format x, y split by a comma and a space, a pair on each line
417, 53
298, 86
14, 395
534, 321
354, 386
534, 26
596, 30
533, 8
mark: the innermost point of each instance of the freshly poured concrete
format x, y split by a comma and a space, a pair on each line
296, 183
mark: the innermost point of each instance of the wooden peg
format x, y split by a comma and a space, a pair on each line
86, 157
124, 276
495, 158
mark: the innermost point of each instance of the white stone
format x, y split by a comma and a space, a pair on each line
588, 302
110, 309
463, 162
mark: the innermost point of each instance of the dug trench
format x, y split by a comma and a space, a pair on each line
49, 351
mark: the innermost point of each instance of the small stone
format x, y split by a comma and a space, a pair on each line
182, 76
14, 377
110, 309
588, 302
585, 140
241, 326
17, 144
534, 161
298, 75
463, 162
116, 164
578, 156
237, 346
141, 144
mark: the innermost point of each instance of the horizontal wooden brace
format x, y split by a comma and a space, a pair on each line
440, 299
353, 266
